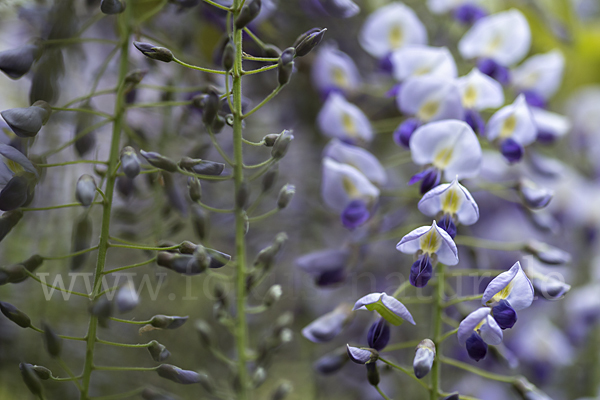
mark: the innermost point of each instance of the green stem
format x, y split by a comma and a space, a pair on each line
405, 371
110, 271
60, 336
209, 70
52, 286
66, 368
127, 246
104, 245
111, 368
448, 334
263, 216
70, 163
256, 39
216, 210
258, 71
70, 255
437, 333
77, 137
462, 299
126, 321
213, 139
212, 3
381, 393
161, 104
56, 207
117, 344
268, 161
401, 288
76, 40
83, 110
477, 371
265, 101
400, 346
89, 96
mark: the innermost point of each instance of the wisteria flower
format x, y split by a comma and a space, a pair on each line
18, 176
478, 330
389, 28
417, 60
503, 37
430, 98
388, 307
449, 148
430, 244
335, 8
341, 119
508, 293
357, 157
514, 128
444, 6
333, 69
539, 77
328, 326
453, 202
550, 126
327, 267
479, 92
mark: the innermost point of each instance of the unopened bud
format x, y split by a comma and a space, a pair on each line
130, 163
158, 351
218, 124
27, 122
200, 221
135, 77
308, 41
167, 322
532, 195
273, 295
424, 356
285, 66
52, 341
18, 61
159, 161
546, 253
85, 190
154, 52
453, 396
177, 374
332, 361
282, 391
360, 355
81, 238
270, 139
111, 7
282, 144
15, 315
250, 11
259, 377
201, 167
9, 220
31, 379
204, 332
102, 309
210, 106
228, 56
269, 179
42, 372
286, 194
194, 189
127, 298
18, 272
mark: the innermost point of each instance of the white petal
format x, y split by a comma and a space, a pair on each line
333, 68
468, 213
479, 91
343, 183
550, 122
468, 325
431, 203
342, 119
490, 332
389, 28
431, 99
512, 286
447, 253
368, 299
410, 243
418, 60
542, 73
504, 37
357, 157
521, 293
463, 205
513, 121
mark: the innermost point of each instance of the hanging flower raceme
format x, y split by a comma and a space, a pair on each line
357, 157
429, 244
390, 28
392, 310
479, 92
498, 41
478, 330
508, 293
346, 190
514, 128
447, 149
453, 202
539, 77
334, 70
341, 119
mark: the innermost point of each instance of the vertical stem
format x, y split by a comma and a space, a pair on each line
240, 244
437, 332
109, 191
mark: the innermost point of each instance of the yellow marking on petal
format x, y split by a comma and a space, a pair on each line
451, 201
494, 44
14, 166
428, 110
531, 79
350, 188
503, 294
479, 325
430, 242
422, 71
469, 97
443, 158
508, 127
395, 36
339, 77
349, 125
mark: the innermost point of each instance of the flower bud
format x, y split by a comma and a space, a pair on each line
204, 332
17, 272
424, 356
281, 145
282, 391
210, 106
158, 351
529, 391
42, 372
228, 56
287, 56
185, 264
84, 144
218, 124
362, 355
285, 196
31, 380
52, 341
130, 163
372, 373
308, 41
9, 220
15, 315
112, 7
217, 258
379, 334
206, 382
201, 167
167, 322
332, 361
85, 190
27, 122
270, 139
81, 239
153, 394
14, 194
17, 62
453, 396
154, 52
127, 298
194, 189
200, 221
269, 179
250, 11
259, 377
241, 195
272, 296
285, 66
102, 309
159, 161
177, 374
533, 196
546, 253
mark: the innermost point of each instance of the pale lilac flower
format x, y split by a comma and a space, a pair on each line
503, 37
479, 91
540, 74
361, 356
388, 307
328, 326
333, 69
550, 126
327, 267
418, 60
444, 6
343, 120
430, 99
336, 8
478, 330
389, 28
357, 157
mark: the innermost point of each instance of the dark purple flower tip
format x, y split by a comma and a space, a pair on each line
430, 178
385, 64
504, 314
355, 214
545, 137
534, 99
511, 150
379, 335
329, 278
476, 347
473, 118
468, 14
394, 92
447, 224
14, 194
421, 271
403, 133
494, 70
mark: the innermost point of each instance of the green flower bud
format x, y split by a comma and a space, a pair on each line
42, 372
372, 373
281, 145
177, 374
228, 56
158, 352
194, 189
17, 273
15, 315
308, 41
136, 76
159, 161
284, 71
9, 220
286, 194
52, 341
269, 179
207, 382
154, 52
85, 190
250, 11
167, 322
31, 379
81, 239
